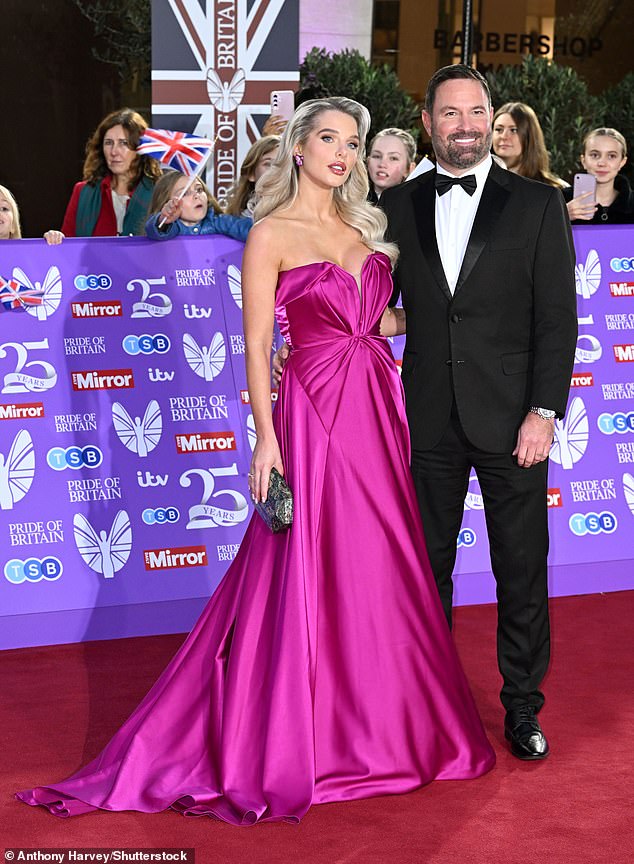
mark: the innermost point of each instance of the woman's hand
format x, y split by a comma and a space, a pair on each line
266, 455
54, 238
171, 211
275, 125
392, 322
279, 359
581, 207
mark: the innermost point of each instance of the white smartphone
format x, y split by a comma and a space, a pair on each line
585, 183
283, 103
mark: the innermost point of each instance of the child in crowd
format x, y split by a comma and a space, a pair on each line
604, 153
10, 220
197, 212
259, 158
391, 157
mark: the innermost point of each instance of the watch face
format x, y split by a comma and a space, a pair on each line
546, 414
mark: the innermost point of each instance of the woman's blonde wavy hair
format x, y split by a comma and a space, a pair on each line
277, 189
16, 230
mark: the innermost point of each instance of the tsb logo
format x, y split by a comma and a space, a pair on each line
93, 283
622, 265
621, 423
467, 537
160, 515
157, 344
33, 570
60, 458
593, 523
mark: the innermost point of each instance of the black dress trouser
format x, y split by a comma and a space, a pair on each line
517, 525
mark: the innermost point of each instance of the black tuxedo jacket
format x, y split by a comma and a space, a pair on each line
506, 339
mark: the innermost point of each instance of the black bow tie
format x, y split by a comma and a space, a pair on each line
444, 183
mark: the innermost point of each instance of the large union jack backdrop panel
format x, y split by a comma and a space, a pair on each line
214, 64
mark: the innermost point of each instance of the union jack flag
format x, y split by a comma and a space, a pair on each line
177, 149
214, 64
16, 296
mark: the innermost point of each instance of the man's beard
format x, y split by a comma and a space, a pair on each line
460, 156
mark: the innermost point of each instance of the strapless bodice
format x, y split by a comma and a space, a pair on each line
320, 302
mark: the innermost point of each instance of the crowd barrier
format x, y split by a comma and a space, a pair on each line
126, 436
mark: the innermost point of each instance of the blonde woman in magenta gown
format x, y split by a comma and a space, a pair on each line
322, 668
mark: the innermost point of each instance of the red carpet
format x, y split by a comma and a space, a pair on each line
61, 704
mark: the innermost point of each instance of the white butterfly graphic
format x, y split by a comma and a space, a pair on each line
139, 436
207, 363
234, 277
628, 491
251, 435
588, 276
571, 435
104, 552
17, 470
223, 95
52, 292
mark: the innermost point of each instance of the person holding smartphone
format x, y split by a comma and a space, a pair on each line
612, 202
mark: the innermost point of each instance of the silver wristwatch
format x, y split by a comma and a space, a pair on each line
544, 413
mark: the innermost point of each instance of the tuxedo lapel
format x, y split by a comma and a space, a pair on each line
492, 202
424, 203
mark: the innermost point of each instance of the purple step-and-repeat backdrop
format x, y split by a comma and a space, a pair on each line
126, 435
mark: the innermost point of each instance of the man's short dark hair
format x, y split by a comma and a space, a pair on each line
450, 73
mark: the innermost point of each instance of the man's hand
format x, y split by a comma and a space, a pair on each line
534, 440
279, 359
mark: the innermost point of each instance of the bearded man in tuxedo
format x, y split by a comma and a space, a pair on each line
486, 274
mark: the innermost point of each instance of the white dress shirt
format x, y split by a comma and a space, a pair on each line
455, 212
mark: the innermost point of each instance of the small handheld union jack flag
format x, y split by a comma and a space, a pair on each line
16, 296
178, 150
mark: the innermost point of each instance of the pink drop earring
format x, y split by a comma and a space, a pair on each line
299, 159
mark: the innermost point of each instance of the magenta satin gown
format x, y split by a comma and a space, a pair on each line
322, 668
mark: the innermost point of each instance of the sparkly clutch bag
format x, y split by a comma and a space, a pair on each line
277, 510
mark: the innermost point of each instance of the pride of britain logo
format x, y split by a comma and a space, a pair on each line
588, 275
571, 435
17, 470
209, 362
139, 435
105, 552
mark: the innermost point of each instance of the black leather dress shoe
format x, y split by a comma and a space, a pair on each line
522, 729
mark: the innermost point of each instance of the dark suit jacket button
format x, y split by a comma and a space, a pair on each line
455, 318
448, 362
